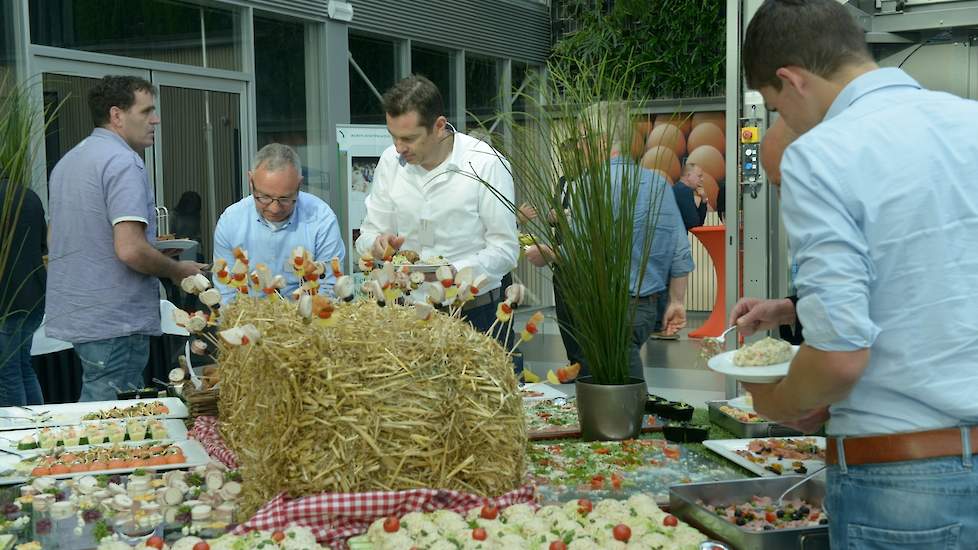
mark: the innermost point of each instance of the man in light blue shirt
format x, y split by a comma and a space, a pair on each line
669, 260
878, 199
276, 218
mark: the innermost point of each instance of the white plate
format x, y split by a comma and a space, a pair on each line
67, 414
176, 430
549, 392
743, 402
174, 244
192, 450
724, 364
728, 448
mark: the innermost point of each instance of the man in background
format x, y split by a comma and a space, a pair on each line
103, 288
22, 285
276, 218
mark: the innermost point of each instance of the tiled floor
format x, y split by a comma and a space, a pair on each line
673, 368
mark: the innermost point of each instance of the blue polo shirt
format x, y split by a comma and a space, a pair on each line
91, 294
312, 226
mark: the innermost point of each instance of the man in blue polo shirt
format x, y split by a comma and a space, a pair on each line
276, 218
102, 289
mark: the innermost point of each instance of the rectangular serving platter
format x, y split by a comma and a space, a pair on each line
745, 429
728, 448
192, 451
67, 414
683, 503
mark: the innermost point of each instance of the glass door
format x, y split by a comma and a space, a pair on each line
200, 164
67, 83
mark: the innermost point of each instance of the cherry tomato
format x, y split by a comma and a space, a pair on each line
584, 506
558, 545
479, 533
489, 512
670, 521
622, 532
597, 482
202, 546
278, 536
616, 481
770, 517
392, 524
155, 542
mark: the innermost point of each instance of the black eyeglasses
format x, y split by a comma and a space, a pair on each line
267, 201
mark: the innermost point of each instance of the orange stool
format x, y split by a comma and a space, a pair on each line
712, 238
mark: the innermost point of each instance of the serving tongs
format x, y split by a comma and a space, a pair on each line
35, 417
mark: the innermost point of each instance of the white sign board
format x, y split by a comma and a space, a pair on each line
360, 147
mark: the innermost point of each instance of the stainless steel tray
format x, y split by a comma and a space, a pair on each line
746, 429
683, 498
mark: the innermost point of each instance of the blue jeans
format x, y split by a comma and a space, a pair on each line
921, 505
18, 381
646, 311
111, 364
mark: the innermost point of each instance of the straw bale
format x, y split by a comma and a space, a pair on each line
380, 401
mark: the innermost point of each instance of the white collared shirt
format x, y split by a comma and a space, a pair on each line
466, 222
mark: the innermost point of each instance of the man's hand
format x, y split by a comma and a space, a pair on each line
539, 254
381, 243
674, 318
767, 405
525, 213
754, 314
185, 269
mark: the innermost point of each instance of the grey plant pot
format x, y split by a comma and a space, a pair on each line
610, 413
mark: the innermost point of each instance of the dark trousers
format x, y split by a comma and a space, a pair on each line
482, 317
571, 347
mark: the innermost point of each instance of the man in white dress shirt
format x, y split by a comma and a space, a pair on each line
432, 194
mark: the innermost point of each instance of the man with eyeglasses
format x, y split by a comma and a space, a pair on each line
435, 192
276, 218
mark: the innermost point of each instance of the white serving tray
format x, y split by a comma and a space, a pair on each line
67, 414
176, 431
724, 364
192, 450
728, 448
549, 392
174, 244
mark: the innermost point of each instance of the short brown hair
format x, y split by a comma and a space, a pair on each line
415, 93
115, 91
819, 36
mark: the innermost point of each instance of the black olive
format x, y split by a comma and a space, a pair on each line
780, 513
823, 521
738, 513
804, 510
768, 527
741, 521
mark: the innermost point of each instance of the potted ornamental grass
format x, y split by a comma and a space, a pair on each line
575, 123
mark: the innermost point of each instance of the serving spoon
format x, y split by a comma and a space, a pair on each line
805, 479
712, 345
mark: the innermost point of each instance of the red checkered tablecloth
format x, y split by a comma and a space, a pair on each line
205, 431
335, 517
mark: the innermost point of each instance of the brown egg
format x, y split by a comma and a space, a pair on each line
669, 136
642, 125
712, 190
710, 159
716, 117
706, 134
680, 120
776, 139
662, 158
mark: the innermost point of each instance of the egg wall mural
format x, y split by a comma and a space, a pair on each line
666, 142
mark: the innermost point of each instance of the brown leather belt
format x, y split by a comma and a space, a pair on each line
900, 447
